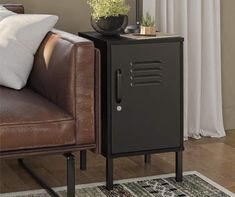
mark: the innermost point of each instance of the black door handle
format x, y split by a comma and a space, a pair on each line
119, 86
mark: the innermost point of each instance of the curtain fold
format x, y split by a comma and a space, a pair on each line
198, 21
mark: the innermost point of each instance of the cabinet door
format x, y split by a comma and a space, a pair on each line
146, 97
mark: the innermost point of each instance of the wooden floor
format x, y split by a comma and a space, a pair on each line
214, 158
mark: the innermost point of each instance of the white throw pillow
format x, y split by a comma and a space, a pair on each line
2, 8
4, 13
20, 37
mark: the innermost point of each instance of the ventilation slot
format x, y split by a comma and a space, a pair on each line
146, 73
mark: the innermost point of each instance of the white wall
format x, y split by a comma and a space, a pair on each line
228, 61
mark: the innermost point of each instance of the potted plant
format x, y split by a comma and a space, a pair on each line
109, 17
148, 25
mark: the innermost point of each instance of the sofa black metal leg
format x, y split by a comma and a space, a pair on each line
109, 173
147, 158
41, 182
83, 160
70, 175
179, 166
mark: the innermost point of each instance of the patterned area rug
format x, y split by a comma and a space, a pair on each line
194, 185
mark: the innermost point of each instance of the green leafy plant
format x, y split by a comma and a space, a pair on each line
148, 21
106, 8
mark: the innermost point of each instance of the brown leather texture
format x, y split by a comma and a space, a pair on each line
28, 120
53, 73
17, 8
59, 111
65, 76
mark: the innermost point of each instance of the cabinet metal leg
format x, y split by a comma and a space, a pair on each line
70, 175
179, 166
109, 173
147, 158
83, 160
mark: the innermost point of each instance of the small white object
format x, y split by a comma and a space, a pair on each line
119, 108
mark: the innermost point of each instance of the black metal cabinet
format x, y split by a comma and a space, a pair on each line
142, 97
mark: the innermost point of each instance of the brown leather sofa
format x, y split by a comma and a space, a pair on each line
58, 111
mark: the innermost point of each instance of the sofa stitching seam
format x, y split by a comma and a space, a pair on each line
36, 123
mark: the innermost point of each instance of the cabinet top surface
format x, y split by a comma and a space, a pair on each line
125, 40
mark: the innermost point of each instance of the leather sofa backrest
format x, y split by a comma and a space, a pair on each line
17, 8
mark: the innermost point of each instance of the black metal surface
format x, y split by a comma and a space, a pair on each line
164, 150
109, 173
44, 185
118, 86
39, 180
181, 92
83, 160
106, 44
179, 166
111, 40
138, 12
148, 116
147, 158
70, 175
142, 111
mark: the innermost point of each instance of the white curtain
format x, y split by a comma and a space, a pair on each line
198, 21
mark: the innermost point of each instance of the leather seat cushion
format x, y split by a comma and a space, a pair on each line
28, 120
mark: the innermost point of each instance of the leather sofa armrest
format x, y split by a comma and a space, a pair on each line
64, 72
